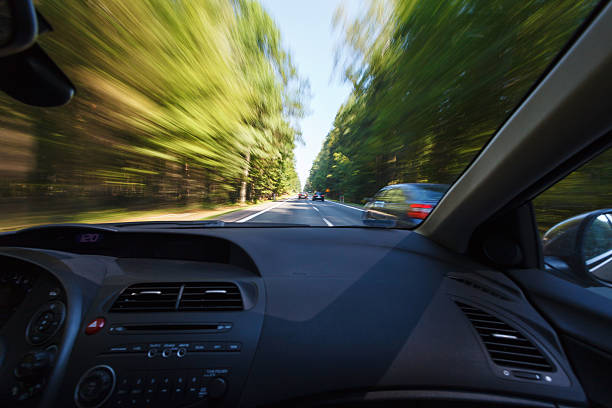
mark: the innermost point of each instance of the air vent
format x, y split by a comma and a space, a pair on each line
211, 296
507, 346
478, 286
171, 297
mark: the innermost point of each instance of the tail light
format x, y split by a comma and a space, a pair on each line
420, 211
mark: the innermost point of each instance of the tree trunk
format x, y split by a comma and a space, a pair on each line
245, 176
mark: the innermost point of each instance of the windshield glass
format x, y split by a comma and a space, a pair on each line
228, 109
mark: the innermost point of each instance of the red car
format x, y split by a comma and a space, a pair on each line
302, 195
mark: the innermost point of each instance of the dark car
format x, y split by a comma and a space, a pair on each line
318, 196
405, 204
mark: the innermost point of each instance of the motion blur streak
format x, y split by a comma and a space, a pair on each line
178, 102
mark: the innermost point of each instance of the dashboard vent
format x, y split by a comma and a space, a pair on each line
211, 296
506, 346
148, 297
478, 286
184, 297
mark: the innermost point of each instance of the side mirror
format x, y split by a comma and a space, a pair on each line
27, 74
596, 246
369, 199
581, 246
18, 26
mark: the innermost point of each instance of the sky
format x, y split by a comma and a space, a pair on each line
307, 33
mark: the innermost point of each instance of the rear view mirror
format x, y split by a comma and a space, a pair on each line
18, 26
27, 74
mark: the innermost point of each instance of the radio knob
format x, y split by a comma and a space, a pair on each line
95, 387
181, 352
217, 387
166, 352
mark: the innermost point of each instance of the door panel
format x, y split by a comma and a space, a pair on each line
583, 319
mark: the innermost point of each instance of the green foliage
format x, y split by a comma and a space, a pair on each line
175, 100
432, 82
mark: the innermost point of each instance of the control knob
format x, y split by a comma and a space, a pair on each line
217, 387
95, 387
34, 363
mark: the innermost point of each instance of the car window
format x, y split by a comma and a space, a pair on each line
429, 193
381, 195
574, 218
396, 196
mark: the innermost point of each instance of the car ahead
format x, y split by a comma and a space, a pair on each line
302, 195
318, 196
407, 205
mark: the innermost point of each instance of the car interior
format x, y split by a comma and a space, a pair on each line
459, 312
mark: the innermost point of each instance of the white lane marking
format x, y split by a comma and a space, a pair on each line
316, 209
599, 257
329, 224
600, 265
250, 217
347, 206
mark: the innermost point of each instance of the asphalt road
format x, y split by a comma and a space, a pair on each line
299, 211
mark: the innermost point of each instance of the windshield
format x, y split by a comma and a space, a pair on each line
228, 109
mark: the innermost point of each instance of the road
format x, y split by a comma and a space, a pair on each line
296, 211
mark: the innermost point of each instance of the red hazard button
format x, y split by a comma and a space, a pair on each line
95, 326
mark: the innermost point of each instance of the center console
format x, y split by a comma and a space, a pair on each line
147, 343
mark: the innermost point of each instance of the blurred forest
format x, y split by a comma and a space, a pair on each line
178, 102
433, 81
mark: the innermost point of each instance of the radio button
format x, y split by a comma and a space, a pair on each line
198, 347
163, 392
152, 353
191, 392
118, 402
179, 392
137, 348
181, 352
118, 349
202, 392
216, 347
135, 402
167, 352
233, 346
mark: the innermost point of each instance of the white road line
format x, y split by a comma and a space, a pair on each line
250, 217
316, 209
347, 206
329, 224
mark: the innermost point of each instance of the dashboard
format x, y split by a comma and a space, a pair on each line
165, 316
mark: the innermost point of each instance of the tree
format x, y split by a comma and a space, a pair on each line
432, 82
